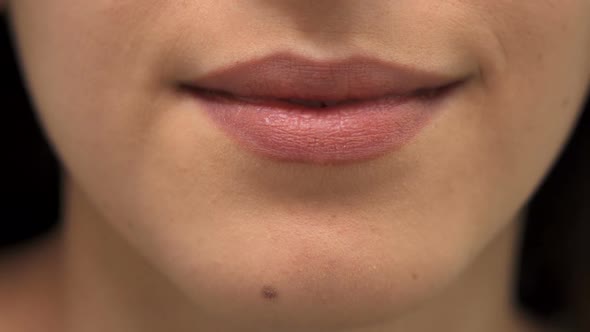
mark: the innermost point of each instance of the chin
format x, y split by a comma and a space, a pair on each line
279, 271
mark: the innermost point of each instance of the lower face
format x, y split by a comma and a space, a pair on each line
368, 239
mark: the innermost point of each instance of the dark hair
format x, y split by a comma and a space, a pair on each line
553, 280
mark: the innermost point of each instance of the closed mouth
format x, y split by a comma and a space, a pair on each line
291, 108
327, 104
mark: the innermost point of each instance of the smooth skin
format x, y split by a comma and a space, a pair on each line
169, 226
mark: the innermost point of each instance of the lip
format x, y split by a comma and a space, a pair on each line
289, 108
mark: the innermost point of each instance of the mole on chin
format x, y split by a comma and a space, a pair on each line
269, 292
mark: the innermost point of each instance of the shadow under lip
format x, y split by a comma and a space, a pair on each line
422, 93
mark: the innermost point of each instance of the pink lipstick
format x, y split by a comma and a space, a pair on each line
293, 109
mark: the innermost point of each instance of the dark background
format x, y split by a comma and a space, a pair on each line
29, 171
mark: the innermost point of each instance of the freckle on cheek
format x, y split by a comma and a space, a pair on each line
269, 293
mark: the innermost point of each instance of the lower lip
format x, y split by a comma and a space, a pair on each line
338, 134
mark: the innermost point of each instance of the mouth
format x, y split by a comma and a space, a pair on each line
328, 104
287, 108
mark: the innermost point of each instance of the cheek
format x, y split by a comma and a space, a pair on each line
519, 117
536, 95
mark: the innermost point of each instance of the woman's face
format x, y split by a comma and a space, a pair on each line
368, 239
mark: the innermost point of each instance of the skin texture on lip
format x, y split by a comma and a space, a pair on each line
339, 134
164, 214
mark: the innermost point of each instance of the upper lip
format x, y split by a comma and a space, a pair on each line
289, 76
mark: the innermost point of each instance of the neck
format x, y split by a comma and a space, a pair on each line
110, 287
